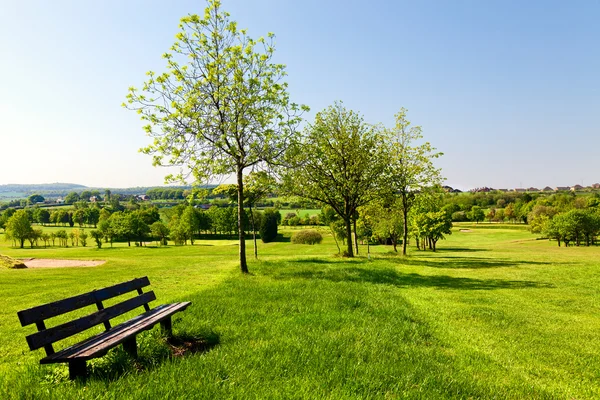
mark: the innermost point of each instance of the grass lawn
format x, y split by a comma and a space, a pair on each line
493, 314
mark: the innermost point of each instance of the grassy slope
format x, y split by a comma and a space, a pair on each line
492, 314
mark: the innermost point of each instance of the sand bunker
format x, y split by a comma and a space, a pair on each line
465, 230
53, 263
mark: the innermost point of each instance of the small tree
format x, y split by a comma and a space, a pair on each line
97, 236
19, 228
268, 226
411, 170
160, 231
83, 236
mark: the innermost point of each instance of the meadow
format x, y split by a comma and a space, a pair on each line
494, 313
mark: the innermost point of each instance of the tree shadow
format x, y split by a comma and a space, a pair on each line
389, 276
459, 250
458, 262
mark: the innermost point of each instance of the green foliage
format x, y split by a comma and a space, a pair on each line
339, 162
160, 232
72, 198
308, 236
97, 236
18, 228
268, 226
476, 214
411, 170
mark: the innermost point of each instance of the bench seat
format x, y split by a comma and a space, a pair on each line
98, 345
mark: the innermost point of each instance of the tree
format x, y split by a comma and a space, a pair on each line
257, 185
268, 226
71, 198
385, 218
476, 214
338, 162
35, 198
225, 110
97, 236
411, 169
160, 231
18, 227
41, 215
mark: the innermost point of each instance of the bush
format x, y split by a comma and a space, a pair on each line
309, 236
268, 225
459, 216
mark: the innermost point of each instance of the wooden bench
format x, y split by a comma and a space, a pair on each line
97, 345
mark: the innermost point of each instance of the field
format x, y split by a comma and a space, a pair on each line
493, 314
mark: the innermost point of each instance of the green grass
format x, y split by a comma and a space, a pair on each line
493, 314
300, 213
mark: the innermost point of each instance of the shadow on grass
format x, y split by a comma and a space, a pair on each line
390, 276
458, 262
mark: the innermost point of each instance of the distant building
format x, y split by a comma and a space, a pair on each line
93, 199
532, 189
520, 190
503, 190
143, 197
596, 186
576, 188
561, 188
484, 189
547, 189
59, 201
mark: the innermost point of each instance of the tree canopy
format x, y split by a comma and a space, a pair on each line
339, 162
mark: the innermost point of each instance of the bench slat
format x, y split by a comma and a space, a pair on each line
102, 342
45, 311
59, 332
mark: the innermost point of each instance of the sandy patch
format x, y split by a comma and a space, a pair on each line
465, 230
53, 263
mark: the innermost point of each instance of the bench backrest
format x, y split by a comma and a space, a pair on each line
45, 337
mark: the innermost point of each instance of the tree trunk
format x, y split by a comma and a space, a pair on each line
355, 235
418, 243
395, 243
405, 228
253, 233
349, 238
240, 182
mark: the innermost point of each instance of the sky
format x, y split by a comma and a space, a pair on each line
509, 91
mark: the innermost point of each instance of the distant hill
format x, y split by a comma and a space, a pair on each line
52, 190
41, 186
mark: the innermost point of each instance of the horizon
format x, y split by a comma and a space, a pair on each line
509, 92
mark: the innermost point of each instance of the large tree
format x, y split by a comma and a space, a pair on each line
221, 107
339, 162
411, 167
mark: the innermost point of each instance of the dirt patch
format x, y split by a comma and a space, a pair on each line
183, 346
54, 263
465, 230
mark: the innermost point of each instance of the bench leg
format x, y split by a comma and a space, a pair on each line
167, 326
130, 346
77, 368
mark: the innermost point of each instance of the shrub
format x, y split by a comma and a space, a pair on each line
268, 225
309, 236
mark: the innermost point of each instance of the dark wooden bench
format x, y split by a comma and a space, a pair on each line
97, 345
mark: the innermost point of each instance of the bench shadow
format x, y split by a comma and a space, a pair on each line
154, 350
389, 276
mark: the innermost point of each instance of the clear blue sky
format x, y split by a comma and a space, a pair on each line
508, 90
